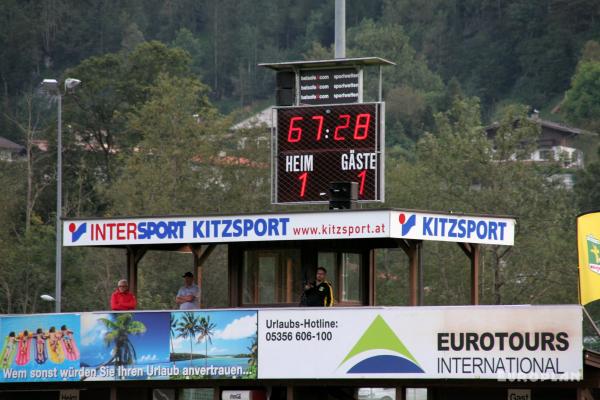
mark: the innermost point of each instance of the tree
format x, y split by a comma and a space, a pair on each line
118, 333
587, 187
467, 168
187, 328
207, 331
114, 85
582, 101
29, 126
412, 90
168, 171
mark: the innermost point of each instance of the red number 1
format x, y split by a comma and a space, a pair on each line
303, 178
362, 175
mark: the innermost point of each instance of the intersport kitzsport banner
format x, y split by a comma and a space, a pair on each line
355, 224
489, 342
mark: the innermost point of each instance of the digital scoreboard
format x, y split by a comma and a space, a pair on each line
316, 145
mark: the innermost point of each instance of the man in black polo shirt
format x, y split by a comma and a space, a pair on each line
318, 293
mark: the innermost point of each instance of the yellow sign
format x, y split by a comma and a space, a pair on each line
588, 248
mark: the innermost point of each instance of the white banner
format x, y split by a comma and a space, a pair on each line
226, 229
453, 228
290, 226
471, 342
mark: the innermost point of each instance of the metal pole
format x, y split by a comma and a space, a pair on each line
59, 207
340, 28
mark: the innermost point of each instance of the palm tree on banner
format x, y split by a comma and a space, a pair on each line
253, 351
207, 331
119, 329
188, 327
172, 332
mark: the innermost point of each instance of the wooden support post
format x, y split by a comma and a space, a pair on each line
289, 393
400, 393
197, 268
372, 284
584, 394
410, 247
134, 256
289, 274
199, 260
473, 251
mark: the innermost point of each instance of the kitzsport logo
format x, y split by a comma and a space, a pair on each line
76, 232
406, 223
454, 227
380, 351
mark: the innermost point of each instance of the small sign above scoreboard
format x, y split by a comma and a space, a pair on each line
330, 86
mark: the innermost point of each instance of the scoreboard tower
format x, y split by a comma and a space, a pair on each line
323, 133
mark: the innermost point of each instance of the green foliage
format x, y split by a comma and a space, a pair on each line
587, 187
162, 175
582, 101
462, 168
141, 137
412, 91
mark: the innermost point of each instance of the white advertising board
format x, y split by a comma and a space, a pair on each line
290, 226
226, 229
481, 342
452, 228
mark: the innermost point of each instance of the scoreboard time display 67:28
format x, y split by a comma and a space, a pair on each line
317, 145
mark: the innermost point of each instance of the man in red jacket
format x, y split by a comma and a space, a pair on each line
121, 298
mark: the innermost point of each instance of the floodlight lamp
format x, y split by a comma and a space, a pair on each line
50, 85
71, 83
47, 297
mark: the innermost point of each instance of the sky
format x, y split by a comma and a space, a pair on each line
150, 346
233, 333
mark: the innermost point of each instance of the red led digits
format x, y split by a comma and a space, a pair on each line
319, 144
361, 188
320, 127
303, 178
294, 132
340, 127
364, 125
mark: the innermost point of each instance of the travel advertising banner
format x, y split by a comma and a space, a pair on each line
482, 342
129, 346
40, 348
169, 345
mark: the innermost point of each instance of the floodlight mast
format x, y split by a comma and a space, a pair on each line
340, 28
51, 87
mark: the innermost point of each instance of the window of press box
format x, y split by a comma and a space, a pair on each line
272, 277
345, 273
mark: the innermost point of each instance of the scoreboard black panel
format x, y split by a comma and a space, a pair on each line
317, 145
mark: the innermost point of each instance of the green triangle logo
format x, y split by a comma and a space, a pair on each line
379, 336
